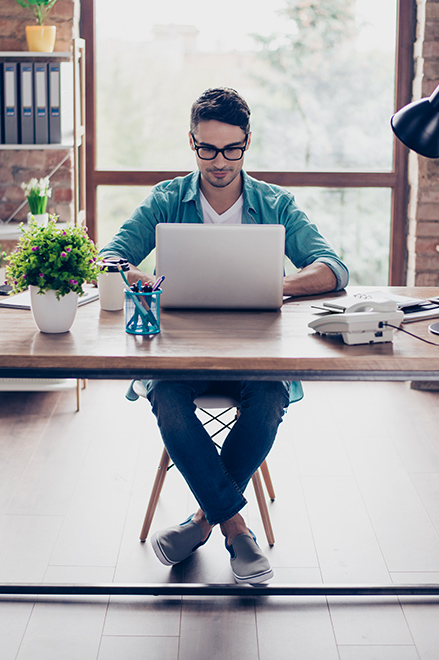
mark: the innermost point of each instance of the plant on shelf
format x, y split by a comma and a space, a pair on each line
37, 193
52, 258
39, 8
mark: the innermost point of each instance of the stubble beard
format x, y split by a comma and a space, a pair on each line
221, 183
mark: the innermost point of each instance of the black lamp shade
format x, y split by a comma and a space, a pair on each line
417, 125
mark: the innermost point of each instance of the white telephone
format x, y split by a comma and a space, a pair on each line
359, 321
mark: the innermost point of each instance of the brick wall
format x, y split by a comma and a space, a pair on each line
19, 166
423, 211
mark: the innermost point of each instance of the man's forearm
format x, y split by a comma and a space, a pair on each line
315, 278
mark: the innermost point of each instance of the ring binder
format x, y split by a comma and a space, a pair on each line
26, 103
10, 118
41, 102
54, 103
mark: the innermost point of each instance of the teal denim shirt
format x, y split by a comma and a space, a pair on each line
178, 200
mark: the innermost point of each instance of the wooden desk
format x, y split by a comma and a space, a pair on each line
215, 345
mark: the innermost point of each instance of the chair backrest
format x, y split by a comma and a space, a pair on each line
214, 401
206, 401
139, 388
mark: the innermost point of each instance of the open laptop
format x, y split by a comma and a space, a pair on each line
221, 266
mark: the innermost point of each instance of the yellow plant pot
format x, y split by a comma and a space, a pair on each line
41, 38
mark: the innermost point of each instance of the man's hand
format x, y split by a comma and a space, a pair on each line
315, 278
134, 275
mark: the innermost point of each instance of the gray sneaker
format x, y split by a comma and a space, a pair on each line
175, 544
248, 562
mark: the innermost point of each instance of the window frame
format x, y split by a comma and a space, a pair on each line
394, 179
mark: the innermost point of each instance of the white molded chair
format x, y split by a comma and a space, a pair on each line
206, 403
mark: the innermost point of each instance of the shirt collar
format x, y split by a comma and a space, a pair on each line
248, 192
191, 193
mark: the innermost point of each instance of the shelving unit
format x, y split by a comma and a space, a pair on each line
78, 140
78, 146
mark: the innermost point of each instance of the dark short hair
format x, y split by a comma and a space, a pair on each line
223, 104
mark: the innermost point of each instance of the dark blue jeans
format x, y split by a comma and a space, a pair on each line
218, 479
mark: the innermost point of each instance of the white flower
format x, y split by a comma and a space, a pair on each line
40, 188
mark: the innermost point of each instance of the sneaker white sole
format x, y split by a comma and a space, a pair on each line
254, 579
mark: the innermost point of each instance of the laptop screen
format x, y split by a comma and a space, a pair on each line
221, 266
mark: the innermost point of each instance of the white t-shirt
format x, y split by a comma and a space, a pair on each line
233, 216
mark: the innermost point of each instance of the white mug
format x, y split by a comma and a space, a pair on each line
111, 285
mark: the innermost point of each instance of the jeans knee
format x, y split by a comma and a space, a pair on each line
266, 398
164, 390
170, 400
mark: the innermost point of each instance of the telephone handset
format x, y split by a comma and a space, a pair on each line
349, 304
359, 321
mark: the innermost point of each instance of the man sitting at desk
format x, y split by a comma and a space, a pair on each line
220, 191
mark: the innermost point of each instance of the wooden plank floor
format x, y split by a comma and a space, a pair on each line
356, 472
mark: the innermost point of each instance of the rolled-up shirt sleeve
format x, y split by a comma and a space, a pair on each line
304, 244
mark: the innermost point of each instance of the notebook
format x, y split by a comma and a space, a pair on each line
220, 266
22, 300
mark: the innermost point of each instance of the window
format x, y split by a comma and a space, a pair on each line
319, 78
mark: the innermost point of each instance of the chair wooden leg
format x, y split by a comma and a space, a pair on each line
259, 492
155, 494
268, 483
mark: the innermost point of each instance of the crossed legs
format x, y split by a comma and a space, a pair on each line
218, 479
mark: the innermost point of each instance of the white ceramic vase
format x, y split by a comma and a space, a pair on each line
40, 218
52, 315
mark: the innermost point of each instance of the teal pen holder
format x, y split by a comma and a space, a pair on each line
142, 312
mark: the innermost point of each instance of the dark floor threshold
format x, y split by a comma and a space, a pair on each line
217, 590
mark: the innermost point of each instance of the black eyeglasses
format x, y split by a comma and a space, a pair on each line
208, 152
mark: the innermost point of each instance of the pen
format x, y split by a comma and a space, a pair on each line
157, 283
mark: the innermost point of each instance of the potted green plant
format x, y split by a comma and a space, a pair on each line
40, 37
37, 192
54, 262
